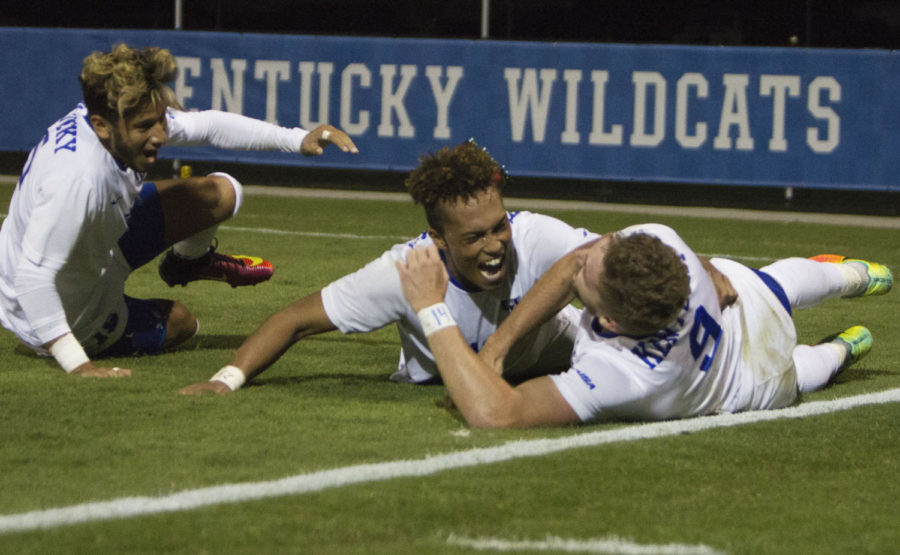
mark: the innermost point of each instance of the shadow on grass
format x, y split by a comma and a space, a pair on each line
348, 379
232, 341
860, 374
214, 341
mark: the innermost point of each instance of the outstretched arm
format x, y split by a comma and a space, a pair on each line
482, 396
238, 132
553, 291
266, 345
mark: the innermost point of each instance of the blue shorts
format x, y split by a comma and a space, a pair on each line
145, 331
145, 238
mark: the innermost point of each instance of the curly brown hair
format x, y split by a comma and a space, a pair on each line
453, 174
116, 83
645, 283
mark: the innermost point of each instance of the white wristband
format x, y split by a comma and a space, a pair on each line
435, 317
232, 376
68, 352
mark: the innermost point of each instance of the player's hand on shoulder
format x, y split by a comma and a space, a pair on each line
724, 289
205, 388
423, 277
89, 370
320, 137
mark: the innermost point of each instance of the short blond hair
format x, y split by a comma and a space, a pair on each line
645, 283
118, 82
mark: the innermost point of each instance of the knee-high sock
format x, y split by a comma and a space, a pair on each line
816, 365
807, 282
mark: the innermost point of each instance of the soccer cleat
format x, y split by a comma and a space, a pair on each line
831, 258
235, 269
880, 279
856, 341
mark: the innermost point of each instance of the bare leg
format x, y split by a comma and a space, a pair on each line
195, 207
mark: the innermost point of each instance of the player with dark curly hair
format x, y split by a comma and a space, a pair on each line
452, 174
493, 257
82, 218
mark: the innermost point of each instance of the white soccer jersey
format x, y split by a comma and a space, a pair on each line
61, 268
372, 298
707, 361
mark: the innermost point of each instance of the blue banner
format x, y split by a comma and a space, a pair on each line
724, 115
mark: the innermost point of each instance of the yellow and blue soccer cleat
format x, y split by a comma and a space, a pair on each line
880, 279
856, 341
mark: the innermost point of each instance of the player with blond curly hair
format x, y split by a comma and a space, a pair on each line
82, 218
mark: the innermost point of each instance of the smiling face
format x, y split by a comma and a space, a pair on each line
476, 239
134, 140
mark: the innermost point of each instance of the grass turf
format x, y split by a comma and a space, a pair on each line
824, 484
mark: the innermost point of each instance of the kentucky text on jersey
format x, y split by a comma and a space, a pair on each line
654, 349
66, 134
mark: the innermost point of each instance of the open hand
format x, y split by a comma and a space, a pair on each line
88, 370
205, 388
320, 137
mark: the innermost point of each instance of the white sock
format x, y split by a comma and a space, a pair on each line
196, 245
817, 364
857, 278
807, 282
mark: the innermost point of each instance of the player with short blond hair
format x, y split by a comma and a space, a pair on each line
728, 343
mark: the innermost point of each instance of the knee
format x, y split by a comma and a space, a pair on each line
220, 194
181, 326
229, 192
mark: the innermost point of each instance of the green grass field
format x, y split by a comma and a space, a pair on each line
818, 484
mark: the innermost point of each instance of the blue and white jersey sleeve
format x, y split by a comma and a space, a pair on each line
372, 297
50, 238
230, 131
59, 266
367, 299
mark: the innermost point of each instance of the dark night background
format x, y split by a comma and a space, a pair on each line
801, 23
814, 23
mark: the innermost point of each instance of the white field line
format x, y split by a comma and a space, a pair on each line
317, 234
886, 222
127, 507
605, 545
395, 238
320, 234
878, 222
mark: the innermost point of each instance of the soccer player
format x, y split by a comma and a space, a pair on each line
492, 257
654, 341
82, 218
